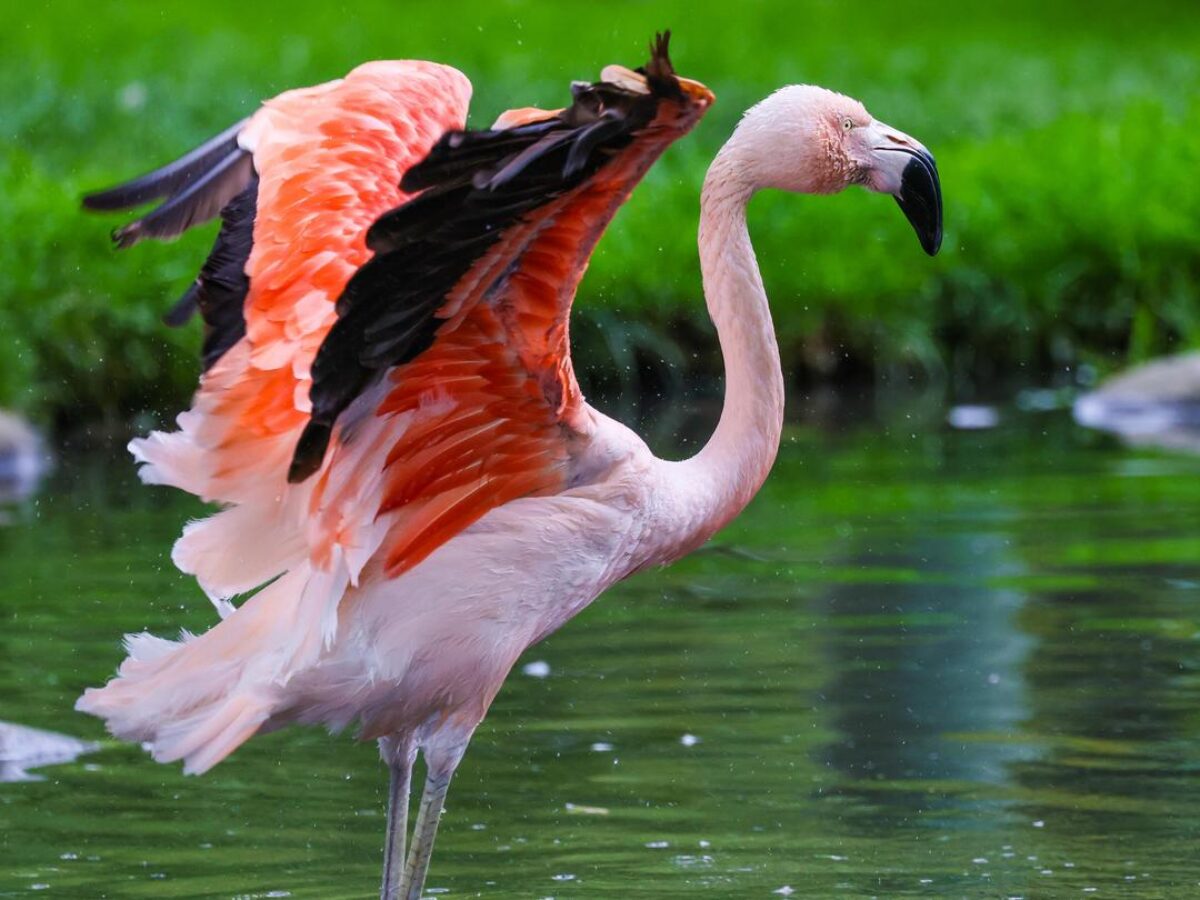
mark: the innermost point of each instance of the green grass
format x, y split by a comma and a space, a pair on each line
1065, 134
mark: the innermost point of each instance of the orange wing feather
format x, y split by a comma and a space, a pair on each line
317, 197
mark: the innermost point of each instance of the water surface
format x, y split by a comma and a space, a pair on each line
925, 663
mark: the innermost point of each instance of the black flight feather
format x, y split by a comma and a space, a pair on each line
220, 290
198, 202
216, 178
169, 179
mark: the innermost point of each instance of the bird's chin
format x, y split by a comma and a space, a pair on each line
920, 199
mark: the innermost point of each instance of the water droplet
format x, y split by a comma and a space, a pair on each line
581, 810
133, 96
537, 669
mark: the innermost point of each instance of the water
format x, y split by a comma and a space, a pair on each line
925, 663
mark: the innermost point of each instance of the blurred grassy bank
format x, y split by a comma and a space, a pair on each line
1065, 133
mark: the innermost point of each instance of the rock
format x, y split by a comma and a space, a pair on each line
1154, 404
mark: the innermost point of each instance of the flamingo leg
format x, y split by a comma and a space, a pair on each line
399, 754
440, 768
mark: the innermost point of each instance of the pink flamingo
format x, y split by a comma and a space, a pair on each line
415, 491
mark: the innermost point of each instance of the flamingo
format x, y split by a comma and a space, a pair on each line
414, 490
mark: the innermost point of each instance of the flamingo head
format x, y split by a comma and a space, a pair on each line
811, 140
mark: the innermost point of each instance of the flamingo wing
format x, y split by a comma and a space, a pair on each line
386, 308
297, 185
454, 334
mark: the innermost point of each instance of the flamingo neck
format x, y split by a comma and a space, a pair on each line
715, 485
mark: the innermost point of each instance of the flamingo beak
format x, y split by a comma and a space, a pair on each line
902, 167
920, 199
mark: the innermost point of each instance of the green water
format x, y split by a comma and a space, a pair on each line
924, 663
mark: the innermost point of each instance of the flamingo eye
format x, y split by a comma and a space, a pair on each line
847, 123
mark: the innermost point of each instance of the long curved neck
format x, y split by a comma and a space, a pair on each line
713, 486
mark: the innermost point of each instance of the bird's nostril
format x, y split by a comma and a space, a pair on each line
895, 139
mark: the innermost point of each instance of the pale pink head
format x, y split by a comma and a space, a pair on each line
811, 140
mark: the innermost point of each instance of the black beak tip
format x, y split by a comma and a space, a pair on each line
920, 199
932, 243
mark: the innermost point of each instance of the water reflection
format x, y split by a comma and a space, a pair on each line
929, 676
926, 662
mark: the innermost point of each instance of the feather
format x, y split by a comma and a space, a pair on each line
219, 291
199, 202
310, 451
169, 179
216, 178
588, 139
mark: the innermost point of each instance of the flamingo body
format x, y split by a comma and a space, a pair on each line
415, 490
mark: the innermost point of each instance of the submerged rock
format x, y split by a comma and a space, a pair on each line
22, 458
22, 749
1155, 404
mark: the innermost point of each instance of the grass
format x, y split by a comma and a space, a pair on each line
1065, 134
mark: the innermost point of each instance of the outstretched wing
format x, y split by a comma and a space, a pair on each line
298, 185
445, 387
